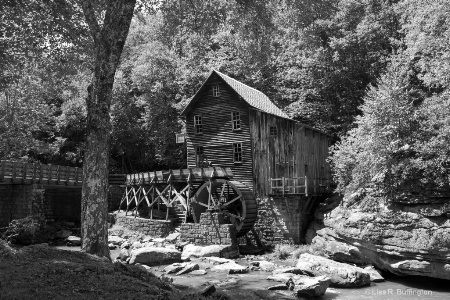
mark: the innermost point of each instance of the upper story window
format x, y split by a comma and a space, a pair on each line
198, 124
215, 89
236, 120
273, 131
237, 152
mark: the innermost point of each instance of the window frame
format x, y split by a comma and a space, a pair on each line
198, 126
197, 155
238, 153
215, 90
273, 131
236, 122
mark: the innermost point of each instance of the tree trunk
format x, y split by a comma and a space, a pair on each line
109, 41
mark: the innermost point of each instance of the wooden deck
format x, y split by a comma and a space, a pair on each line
28, 173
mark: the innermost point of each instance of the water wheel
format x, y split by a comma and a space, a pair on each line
233, 198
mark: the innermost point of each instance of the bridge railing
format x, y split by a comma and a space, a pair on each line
26, 173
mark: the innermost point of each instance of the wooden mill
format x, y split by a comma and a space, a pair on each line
240, 146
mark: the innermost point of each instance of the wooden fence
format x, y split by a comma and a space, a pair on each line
14, 172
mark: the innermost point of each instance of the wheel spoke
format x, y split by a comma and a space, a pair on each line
231, 201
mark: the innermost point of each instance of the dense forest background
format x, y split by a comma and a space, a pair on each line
373, 73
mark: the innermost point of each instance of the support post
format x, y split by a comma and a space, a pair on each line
306, 185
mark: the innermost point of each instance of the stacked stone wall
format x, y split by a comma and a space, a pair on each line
210, 230
154, 228
284, 219
20, 201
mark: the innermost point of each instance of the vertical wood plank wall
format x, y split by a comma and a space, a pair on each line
218, 137
294, 145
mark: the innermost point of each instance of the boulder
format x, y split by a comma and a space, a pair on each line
188, 268
136, 245
374, 275
209, 290
192, 250
407, 238
278, 287
172, 237
340, 274
115, 240
218, 260
198, 272
230, 268
154, 256
264, 265
293, 270
73, 240
111, 246
124, 254
302, 285
311, 286
173, 268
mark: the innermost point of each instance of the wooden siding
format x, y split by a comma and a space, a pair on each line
294, 146
218, 137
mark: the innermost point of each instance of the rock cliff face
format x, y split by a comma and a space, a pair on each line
402, 238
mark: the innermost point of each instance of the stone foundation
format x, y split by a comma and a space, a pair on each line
284, 219
154, 228
20, 201
210, 230
56, 203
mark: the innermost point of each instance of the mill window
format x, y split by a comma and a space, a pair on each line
273, 131
198, 124
198, 155
236, 120
237, 152
215, 89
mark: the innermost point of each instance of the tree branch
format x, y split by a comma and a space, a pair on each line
89, 14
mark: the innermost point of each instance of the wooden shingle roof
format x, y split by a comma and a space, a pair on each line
253, 97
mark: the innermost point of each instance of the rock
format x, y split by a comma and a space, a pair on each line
209, 290
311, 286
172, 237
400, 239
264, 265
111, 246
230, 268
218, 260
302, 285
198, 272
341, 275
192, 250
124, 254
63, 234
125, 245
74, 240
147, 239
374, 275
180, 245
173, 268
154, 256
277, 287
136, 245
293, 270
116, 240
188, 268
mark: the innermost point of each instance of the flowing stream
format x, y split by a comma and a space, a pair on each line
253, 286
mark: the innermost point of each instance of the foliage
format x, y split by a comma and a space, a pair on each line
401, 139
26, 231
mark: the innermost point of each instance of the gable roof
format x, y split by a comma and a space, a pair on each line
253, 97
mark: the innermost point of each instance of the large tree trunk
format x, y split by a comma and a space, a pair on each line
109, 41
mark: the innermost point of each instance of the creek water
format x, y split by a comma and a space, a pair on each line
253, 286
